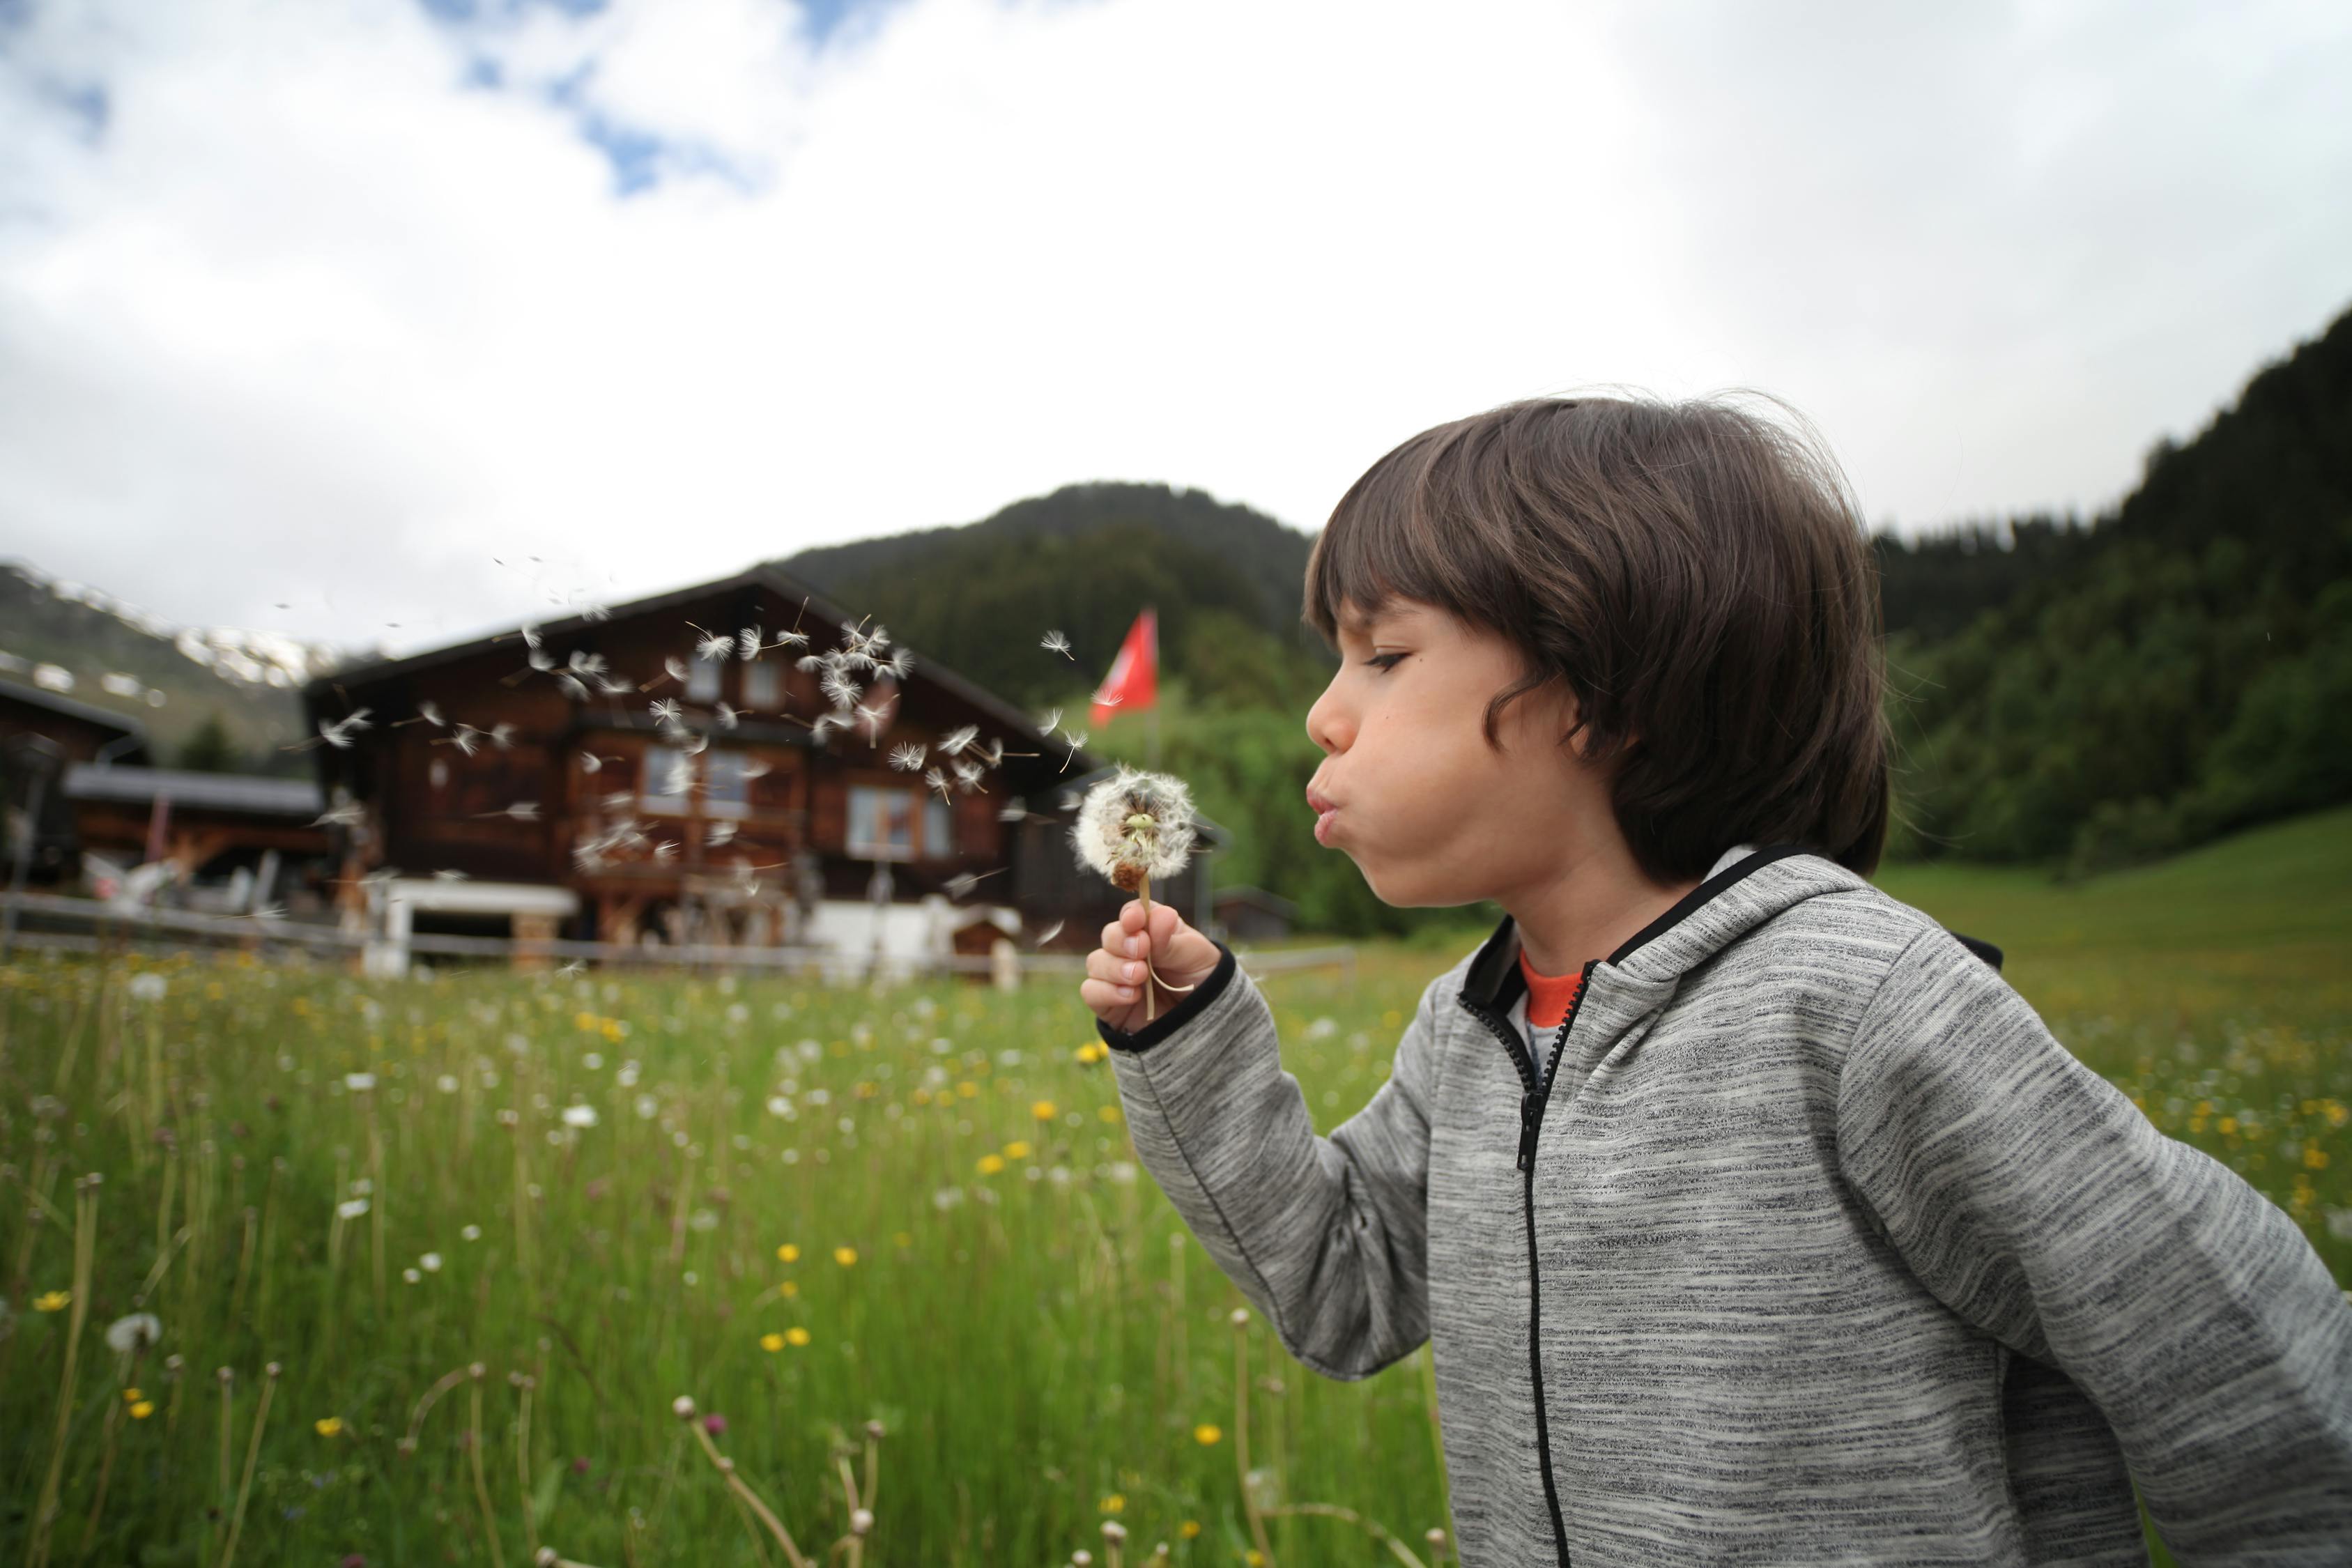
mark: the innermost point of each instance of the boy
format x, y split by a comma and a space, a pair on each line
1752, 1217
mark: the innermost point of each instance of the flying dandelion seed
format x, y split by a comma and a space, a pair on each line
663, 710
968, 773
906, 756
1077, 740
747, 644
530, 636
449, 874
934, 779
1054, 642
901, 664
350, 813
589, 762
503, 736
953, 743
728, 718
521, 811
963, 882
1131, 827
719, 834
754, 769
1051, 933
570, 686
790, 639
1013, 811
1050, 722
716, 646
838, 689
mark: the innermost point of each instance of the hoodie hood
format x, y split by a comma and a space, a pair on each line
1745, 887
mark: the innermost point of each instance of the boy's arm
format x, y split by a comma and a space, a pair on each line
1329, 1236
2031, 1197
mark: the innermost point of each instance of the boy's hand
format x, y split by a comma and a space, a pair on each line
1180, 957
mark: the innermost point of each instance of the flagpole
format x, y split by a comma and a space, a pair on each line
1151, 736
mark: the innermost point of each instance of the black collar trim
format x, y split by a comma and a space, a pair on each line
1495, 982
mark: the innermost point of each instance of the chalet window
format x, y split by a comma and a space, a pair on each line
763, 686
702, 681
670, 775
881, 823
939, 836
726, 792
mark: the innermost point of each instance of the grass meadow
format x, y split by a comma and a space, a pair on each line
488, 1228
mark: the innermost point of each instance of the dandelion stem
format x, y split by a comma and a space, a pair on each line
481, 1482
522, 1471
1397, 1547
252, 1457
1149, 995
85, 1249
726, 1466
1241, 1438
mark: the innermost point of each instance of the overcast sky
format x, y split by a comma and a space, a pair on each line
335, 306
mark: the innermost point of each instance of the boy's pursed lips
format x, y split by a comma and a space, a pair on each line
1325, 809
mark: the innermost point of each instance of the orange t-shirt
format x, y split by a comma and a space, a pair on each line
1549, 996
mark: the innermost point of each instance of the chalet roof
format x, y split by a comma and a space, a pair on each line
211, 792
40, 697
764, 575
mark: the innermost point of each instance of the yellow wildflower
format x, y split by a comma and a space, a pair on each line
789, 1288
1109, 1113
903, 1238
991, 1164
967, 1088
1189, 1529
789, 1253
796, 1335
845, 1255
329, 1426
52, 1301
771, 1342
1043, 1109
143, 1409
1016, 1149
131, 1397
1205, 1434
1115, 1503
2315, 1156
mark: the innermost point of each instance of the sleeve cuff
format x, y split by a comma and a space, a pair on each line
1176, 1018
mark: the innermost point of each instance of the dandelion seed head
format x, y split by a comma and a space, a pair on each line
1135, 824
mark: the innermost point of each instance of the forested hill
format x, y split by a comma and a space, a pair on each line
2178, 670
1225, 579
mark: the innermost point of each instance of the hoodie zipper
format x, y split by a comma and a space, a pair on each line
1531, 1109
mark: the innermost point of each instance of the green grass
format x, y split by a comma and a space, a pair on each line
1040, 1348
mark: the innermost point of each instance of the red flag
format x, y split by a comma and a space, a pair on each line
1133, 683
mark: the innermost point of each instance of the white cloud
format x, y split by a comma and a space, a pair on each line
311, 320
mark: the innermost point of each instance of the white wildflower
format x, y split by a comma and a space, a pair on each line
430, 1263
134, 1332
351, 1208
580, 1116
148, 988
356, 1082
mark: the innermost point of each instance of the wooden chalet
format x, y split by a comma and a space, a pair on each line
43, 733
496, 787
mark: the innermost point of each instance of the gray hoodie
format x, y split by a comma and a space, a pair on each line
1818, 1247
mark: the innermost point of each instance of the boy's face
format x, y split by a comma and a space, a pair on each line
1432, 815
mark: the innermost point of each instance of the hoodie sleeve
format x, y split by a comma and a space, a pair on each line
2034, 1199
1328, 1235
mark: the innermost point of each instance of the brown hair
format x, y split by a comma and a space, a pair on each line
1699, 575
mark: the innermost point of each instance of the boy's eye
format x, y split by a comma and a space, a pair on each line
1384, 662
